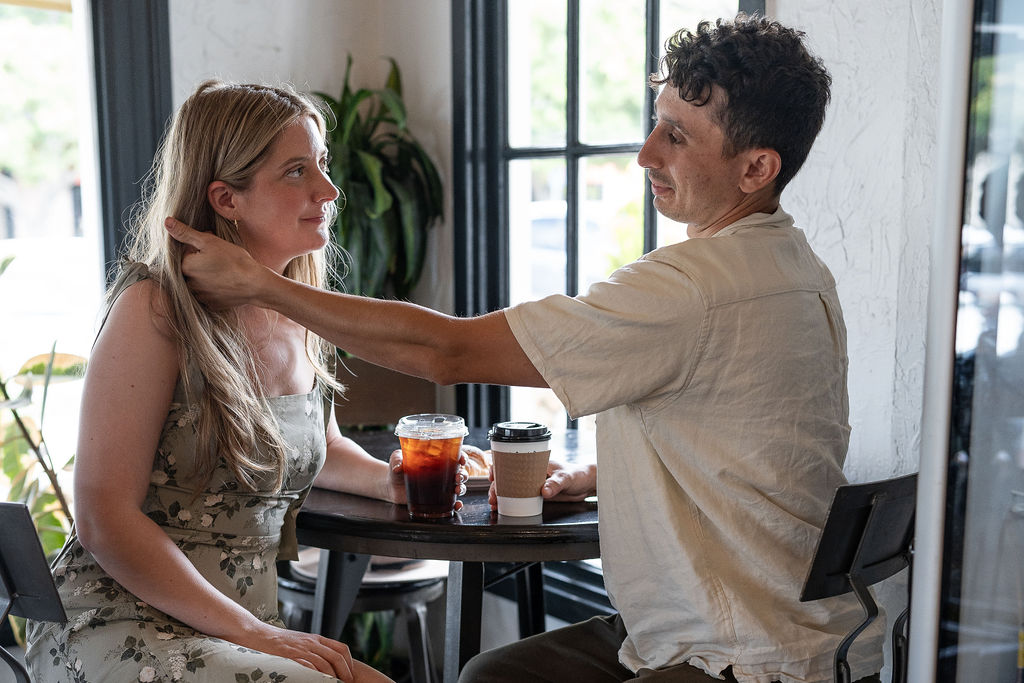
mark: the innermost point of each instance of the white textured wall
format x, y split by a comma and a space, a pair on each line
863, 198
306, 42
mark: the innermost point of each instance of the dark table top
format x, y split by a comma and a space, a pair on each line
340, 521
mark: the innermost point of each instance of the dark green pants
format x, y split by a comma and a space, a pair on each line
586, 652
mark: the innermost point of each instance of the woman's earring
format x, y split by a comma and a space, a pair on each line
236, 224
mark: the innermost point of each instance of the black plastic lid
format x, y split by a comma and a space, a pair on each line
509, 432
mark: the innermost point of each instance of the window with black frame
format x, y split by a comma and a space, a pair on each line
551, 107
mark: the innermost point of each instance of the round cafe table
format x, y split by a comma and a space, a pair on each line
352, 528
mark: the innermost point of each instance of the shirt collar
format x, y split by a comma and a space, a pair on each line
777, 219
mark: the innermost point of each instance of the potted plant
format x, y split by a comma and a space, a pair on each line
391, 190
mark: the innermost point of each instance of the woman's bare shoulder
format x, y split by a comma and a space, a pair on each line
142, 307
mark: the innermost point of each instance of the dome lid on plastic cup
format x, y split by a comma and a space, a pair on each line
431, 426
518, 432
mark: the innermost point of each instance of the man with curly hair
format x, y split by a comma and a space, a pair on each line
716, 367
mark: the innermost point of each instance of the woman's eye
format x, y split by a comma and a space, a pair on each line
325, 162
295, 172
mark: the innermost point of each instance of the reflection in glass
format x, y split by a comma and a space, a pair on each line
611, 216
611, 88
983, 598
536, 73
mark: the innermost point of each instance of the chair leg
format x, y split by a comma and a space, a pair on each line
899, 647
20, 675
841, 668
419, 645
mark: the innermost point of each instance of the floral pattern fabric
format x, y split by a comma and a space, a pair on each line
232, 536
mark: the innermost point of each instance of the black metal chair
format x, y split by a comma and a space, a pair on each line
868, 536
26, 585
393, 589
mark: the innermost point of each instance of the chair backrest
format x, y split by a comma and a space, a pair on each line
26, 585
868, 532
867, 537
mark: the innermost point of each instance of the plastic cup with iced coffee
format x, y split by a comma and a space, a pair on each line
430, 458
520, 453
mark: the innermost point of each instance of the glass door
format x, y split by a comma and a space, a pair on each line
981, 610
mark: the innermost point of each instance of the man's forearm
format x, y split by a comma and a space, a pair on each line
394, 334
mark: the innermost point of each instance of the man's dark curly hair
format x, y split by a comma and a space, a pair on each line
775, 91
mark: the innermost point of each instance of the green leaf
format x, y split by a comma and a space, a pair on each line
349, 125
348, 72
413, 237
46, 384
4, 262
381, 197
42, 502
393, 103
394, 81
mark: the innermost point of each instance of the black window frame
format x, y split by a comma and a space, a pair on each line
132, 69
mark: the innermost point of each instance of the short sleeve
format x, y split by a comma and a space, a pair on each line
632, 338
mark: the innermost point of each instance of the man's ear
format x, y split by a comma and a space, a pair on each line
763, 165
223, 198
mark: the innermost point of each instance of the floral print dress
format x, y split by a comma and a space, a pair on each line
232, 536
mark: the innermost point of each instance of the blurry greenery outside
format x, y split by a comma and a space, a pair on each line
38, 128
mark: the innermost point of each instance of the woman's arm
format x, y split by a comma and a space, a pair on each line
351, 469
128, 389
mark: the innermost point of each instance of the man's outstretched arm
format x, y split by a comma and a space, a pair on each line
395, 334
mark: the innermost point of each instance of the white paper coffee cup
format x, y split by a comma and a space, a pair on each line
520, 451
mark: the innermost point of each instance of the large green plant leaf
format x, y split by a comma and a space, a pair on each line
412, 237
374, 170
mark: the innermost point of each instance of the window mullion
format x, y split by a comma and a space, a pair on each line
572, 156
653, 50
572, 134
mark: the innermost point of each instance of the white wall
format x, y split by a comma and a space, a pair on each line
864, 199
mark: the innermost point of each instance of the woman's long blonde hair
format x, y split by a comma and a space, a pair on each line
223, 132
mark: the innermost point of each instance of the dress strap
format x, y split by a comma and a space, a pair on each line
131, 273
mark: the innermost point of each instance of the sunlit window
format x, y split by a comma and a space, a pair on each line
51, 288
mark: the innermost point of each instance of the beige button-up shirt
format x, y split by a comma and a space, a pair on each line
717, 368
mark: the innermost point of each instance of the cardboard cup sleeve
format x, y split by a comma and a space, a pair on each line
520, 475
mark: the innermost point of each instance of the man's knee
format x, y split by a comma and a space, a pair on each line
485, 667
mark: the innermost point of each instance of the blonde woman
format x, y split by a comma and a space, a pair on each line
201, 431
